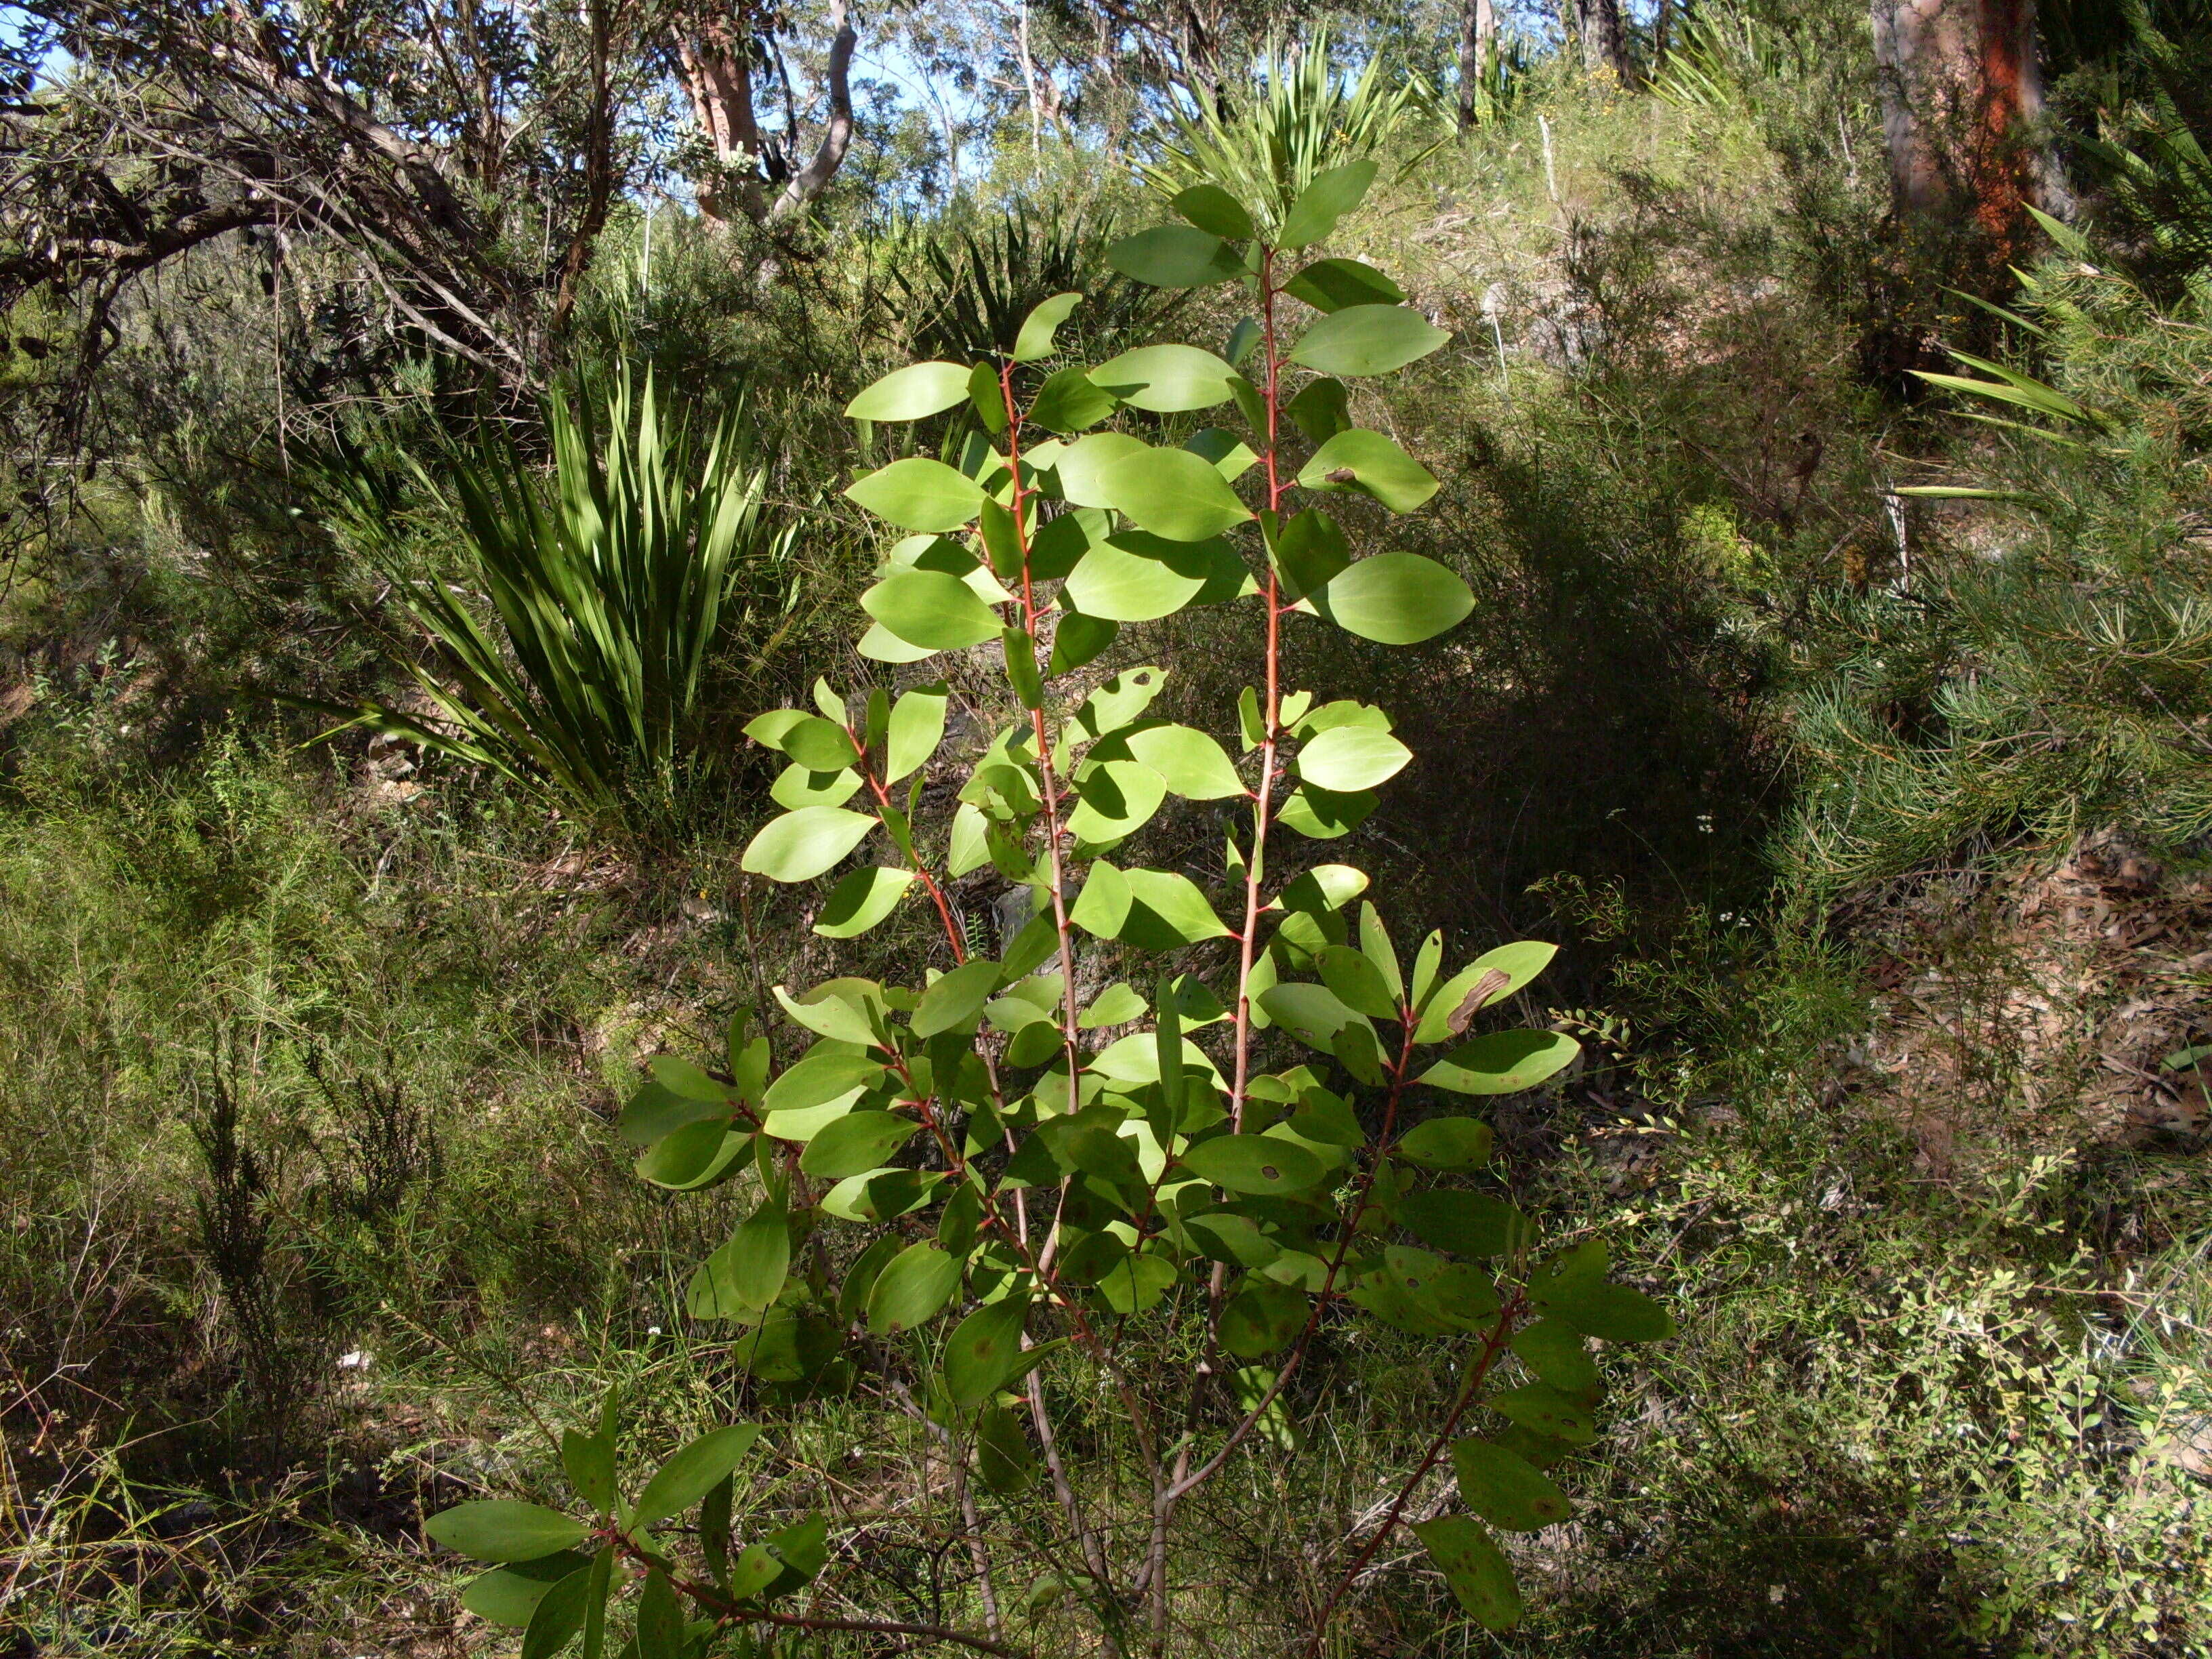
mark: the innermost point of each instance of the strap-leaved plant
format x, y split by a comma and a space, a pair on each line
1040, 1211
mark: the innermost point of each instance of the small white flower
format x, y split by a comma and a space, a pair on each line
653, 1330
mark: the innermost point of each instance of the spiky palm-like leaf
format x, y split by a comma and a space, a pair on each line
608, 592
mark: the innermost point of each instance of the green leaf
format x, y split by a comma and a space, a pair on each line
1331, 195
1103, 907
1003, 1459
1167, 910
1312, 1013
686, 1478
984, 1349
1374, 466
1133, 577
1171, 493
1502, 1062
1116, 799
505, 1530
820, 746
1073, 400
956, 999
589, 1462
757, 1259
1483, 983
916, 728
1120, 701
1395, 599
660, 1623
1448, 1143
911, 394
918, 494
1475, 1567
509, 1596
795, 787
1215, 211
800, 845
1332, 284
933, 608
1543, 1409
1263, 1318
1263, 1165
1118, 1005
827, 1010
1246, 334
1175, 256
1366, 340
1351, 758
1192, 764
912, 1288
879, 644
830, 1070
861, 899
1613, 1312
1466, 1223
1324, 814
1357, 983
559, 1616
1078, 640
694, 1156
1310, 550
1166, 379
1081, 467
856, 1143
1321, 410
1136, 1282
1553, 1350
1505, 1490
1035, 339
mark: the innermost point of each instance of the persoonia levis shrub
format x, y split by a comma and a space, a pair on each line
1038, 1204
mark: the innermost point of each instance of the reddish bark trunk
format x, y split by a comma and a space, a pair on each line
1962, 92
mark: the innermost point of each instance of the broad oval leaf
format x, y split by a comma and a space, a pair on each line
1448, 1143
1070, 401
916, 730
689, 1475
1175, 256
1502, 1062
1332, 284
918, 494
1166, 379
561, 1611
1465, 1224
696, 1156
931, 608
1324, 814
1366, 340
984, 1349
1615, 1313
1263, 1318
1475, 1568
1191, 764
1505, 1490
1035, 339
1081, 467
1542, 1408
1312, 1013
1263, 1165
911, 394
1374, 466
509, 1595
1215, 211
861, 899
1357, 983
1166, 909
1483, 983
800, 845
1395, 599
1347, 758
912, 1288
1138, 577
954, 1000
1171, 493
855, 1143
820, 746
505, 1530
1115, 800
1328, 198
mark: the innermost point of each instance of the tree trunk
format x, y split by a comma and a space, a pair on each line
1605, 42
1961, 92
715, 49
1478, 50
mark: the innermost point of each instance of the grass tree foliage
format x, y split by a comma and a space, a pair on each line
1040, 1206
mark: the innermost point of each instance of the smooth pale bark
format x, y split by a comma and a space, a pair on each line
1961, 94
715, 50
